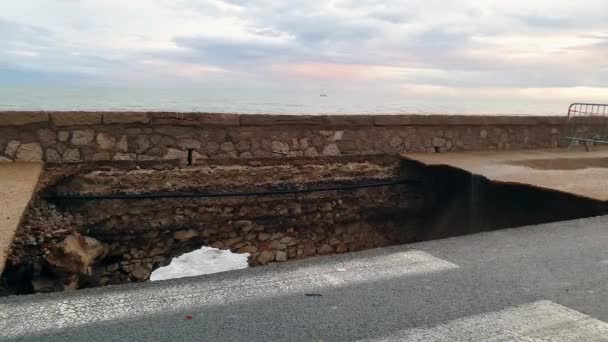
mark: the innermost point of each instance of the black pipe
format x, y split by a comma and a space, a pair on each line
162, 195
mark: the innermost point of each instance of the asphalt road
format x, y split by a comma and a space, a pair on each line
541, 283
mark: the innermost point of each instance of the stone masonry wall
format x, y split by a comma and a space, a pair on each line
140, 235
73, 137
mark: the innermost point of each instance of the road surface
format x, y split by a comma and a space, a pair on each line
541, 283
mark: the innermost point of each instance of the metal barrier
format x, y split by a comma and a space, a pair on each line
580, 110
587, 109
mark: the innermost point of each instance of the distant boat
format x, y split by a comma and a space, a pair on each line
323, 95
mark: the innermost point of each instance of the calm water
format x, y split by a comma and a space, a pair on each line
192, 99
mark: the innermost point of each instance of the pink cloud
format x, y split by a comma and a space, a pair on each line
331, 71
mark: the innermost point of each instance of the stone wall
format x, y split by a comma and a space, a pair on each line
139, 235
72, 137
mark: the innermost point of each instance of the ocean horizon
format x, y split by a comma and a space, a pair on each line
193, 99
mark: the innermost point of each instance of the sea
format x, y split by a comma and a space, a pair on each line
193, 99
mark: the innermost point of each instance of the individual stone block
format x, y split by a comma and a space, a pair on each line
75, 118
46, 136
12, 147
29, 152
220, 119
331, 150
82, 137
189, 143
105, 140
122, 144
71, 156
280, 147
63, 135
173, 154
125, 117
52, 156
22, 118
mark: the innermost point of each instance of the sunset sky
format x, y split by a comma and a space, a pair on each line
452, 48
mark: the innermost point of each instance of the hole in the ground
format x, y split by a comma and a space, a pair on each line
124, 223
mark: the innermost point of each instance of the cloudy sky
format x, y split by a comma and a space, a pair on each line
454, 48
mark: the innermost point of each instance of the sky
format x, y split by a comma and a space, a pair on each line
459, 48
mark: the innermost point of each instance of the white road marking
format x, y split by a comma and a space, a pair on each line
537, 321
128, 303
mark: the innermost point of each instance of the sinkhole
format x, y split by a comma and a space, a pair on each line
104, 224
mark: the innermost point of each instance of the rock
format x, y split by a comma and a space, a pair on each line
309, 249
122, 156
63, 135
439, 142
227, 147
185, 234
112, 268
76, 118
121, 118
280, 147
189, 143
82, 137
140, 272
277, 236
276, 245
325, 207
71, 156
341, 248
212, 147
43, 284
218, 244
311, 152
5, 160
243, 146
287, 240
46, 136
263, 236
29, 152
265, 257
233, 241
138, 144
242, 224
247, 249
12, 147
331, 150
70, 282
281, 256
103, 155
483, 134
395, 142
325, 249
76, 254
122, 144
52, 156
106, 141
293, 154
333, 241
173, 154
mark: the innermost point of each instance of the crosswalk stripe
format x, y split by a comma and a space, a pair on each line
538, 321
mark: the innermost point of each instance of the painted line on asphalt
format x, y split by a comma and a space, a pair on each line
538, 321
45, 315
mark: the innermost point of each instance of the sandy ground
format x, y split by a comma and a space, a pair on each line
17, 184
569, 170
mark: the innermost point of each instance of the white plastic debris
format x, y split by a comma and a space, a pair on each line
206, 260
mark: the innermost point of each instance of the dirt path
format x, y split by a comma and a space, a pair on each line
17, 184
